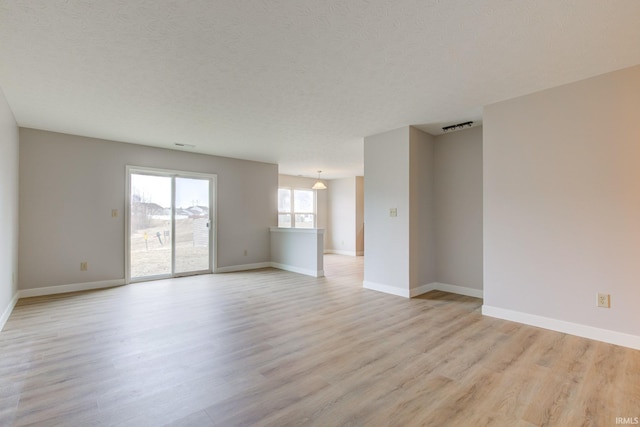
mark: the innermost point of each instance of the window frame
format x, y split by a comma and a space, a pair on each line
292, 211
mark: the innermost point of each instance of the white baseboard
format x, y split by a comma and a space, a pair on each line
604, 335
8, 310
460, 290
423, 289
380, 287
75, 287
243, 267
340, 252
293, 269
255, 266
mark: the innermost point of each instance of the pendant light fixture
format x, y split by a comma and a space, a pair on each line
319, 185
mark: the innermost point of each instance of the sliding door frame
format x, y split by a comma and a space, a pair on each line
213, 219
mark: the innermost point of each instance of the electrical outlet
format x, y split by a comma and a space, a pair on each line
114, 213
604, 300
393, 212
83, 266
246, 252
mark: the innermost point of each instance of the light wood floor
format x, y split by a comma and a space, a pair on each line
276, 348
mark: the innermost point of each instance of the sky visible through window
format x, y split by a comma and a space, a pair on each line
157, 189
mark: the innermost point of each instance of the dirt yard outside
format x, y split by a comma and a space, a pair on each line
151, 256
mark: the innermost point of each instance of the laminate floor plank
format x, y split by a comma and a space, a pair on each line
197, 419
274, 348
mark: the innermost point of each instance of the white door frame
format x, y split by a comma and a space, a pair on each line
213, 218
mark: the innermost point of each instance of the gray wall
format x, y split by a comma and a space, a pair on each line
69, 185
458, 207
562, 202
341, 209
359, 215
8, 207
399, 251
386, 185
421, 203
436, 184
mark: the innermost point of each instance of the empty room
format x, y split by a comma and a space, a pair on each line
278, 213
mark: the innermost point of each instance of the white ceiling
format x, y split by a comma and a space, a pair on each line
293, 82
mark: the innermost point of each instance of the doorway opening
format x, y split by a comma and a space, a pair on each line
170, 223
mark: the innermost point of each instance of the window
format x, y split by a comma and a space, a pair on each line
296, 208
284, 207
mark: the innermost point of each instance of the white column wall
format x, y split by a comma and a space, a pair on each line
386, 186
8, 210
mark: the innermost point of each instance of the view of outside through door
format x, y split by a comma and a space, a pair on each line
150, 247
192, 225
152, 242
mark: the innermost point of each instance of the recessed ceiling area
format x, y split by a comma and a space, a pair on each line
297, 83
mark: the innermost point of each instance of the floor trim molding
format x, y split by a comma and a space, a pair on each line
293, 269
340, 252
380, 287
258, 265
423, 289
598, 334
8, 310
75, 287
243, 267
460, 290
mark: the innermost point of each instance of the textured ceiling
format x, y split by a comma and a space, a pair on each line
293, 82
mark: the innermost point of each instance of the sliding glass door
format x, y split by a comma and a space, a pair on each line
150, 226
192, 224
170, 229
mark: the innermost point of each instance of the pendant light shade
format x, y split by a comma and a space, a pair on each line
319, 185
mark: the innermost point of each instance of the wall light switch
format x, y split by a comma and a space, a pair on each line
393, 212
114, 213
